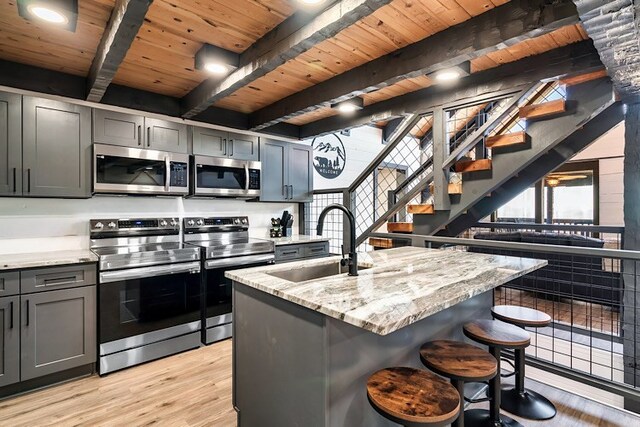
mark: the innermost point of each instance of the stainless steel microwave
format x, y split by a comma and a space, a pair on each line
122, 170
219, 177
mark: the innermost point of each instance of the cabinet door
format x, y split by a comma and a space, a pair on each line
10, 145
274, 171
9, 283
209, 142
56, 149
166, 136
110, 127
58, 331
300, 173
243, 147
9, 340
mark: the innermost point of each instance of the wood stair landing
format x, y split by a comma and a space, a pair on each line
506, 140
544, 110
452, 188
380, 243
466, 166
421, 209
400, 227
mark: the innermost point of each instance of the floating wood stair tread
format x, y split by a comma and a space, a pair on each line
400, 227
381, 243
465, 166
420, 209
583, 78
544, 110
506, 140
451, 188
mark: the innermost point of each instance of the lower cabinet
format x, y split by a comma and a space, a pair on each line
9, 340
298, 251
58, 331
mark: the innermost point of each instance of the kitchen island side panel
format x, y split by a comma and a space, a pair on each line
295, 367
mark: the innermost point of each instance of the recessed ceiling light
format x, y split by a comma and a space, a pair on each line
311, 2
47, 14
215, 68
451, 74
349, 106
447, 75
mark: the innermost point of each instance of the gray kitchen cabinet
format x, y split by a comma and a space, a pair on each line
56, 149
166, 136
58, 331
216, 143
9, 340
298, 251
9, 283
10, 144
286, 172
130, 130
55, 278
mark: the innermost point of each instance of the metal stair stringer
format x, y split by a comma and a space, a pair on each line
550, 141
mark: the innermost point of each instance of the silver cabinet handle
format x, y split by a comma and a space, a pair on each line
291, 197
139, 135
224, 142
148, 136
284, 191
231, 148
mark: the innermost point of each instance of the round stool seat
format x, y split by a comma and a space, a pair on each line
413, 397
458, 360
521, 316
498, 334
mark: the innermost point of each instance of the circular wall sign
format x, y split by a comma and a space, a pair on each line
329, 156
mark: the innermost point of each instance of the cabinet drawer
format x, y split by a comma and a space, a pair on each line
316, 250
9, 283
288, 252
46, 279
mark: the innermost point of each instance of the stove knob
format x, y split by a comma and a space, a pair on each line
244, 220
173, 223
112, 224
98, 225
190, 223
236, 221
199, 222
163, 223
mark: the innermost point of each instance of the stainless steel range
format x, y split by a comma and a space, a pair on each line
225, 245
149, 291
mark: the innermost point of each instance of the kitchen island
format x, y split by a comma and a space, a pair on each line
306, 338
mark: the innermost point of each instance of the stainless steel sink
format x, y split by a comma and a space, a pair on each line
314, 272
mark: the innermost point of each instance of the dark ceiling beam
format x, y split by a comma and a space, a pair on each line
277, 47
496, 29
575, 58
614, 27
126, 19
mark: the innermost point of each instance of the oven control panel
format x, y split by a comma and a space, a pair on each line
216, 222
116, 224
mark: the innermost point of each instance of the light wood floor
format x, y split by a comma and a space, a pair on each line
194, 389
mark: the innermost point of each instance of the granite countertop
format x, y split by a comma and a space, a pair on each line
293, 240
46, 259
403, 286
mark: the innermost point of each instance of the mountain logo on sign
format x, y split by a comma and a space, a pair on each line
329, 156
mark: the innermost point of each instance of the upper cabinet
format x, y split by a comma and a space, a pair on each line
10, 144
287, 174
56, 149
129, 130
212, 142
45, 148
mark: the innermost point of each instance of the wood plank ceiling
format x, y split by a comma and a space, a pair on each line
161, 57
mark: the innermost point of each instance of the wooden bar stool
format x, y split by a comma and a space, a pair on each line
413, 397
461, 363
518, 400
497, 335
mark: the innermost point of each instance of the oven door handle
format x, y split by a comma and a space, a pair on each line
239, 261
144, 272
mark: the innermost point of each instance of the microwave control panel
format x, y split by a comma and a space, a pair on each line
254, 179
179, 174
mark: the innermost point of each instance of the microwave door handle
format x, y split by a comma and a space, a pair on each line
167, 178
246, 176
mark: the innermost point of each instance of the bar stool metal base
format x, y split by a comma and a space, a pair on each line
530, 405
482, 418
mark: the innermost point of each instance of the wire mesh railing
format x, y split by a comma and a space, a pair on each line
591, 293
333, 224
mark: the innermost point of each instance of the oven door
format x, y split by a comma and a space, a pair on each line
139, 301
225, 177
136, 171
217, 288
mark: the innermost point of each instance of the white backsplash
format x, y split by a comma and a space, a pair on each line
38, 225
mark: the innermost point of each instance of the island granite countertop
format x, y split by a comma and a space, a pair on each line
46, 259
403, 285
